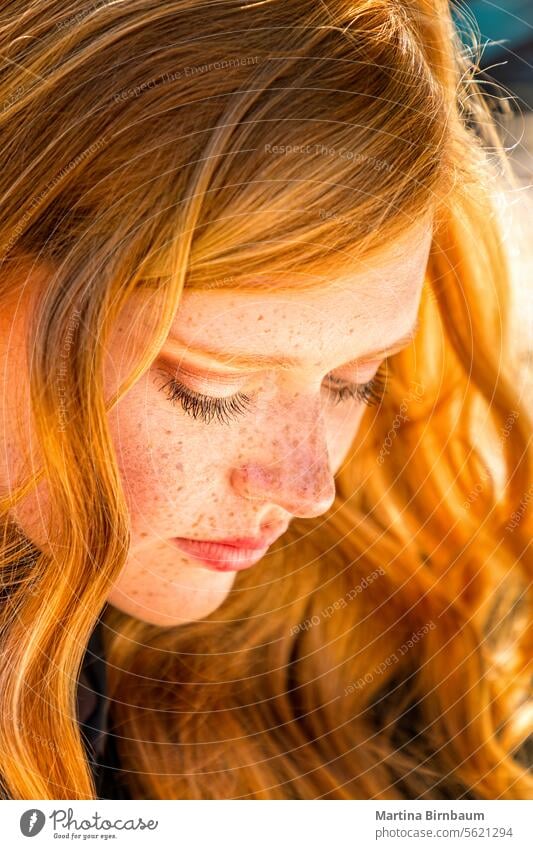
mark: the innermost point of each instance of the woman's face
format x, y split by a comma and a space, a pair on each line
286, 368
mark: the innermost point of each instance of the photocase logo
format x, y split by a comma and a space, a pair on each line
64, 824
32, 822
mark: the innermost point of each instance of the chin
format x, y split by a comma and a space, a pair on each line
169, 610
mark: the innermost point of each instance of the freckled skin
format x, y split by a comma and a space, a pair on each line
186, 478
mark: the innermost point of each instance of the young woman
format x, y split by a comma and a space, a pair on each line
265, 462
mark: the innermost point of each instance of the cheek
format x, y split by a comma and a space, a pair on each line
174, 469
151, 457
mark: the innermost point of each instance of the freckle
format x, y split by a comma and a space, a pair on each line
143, 534
168, 432
260, 318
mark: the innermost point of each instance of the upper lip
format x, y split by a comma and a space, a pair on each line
250, 543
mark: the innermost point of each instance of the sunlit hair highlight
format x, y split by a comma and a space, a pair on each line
149, 147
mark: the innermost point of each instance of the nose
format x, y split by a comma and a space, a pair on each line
300, 480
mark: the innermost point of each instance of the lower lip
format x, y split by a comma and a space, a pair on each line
219, 557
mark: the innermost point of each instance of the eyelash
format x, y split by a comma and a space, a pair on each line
224, 410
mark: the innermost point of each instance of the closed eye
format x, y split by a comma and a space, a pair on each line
369, 393
208, 408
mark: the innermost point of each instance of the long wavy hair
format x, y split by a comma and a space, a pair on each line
381, 650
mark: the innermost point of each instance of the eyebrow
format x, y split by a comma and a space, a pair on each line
239, 361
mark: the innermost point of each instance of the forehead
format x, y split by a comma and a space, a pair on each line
376, 303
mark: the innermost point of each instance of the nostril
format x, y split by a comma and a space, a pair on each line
303, 494
316, 500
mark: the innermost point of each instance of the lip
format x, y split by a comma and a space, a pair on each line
229, 555
249, 543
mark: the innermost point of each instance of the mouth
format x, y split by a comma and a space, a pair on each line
230, 555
